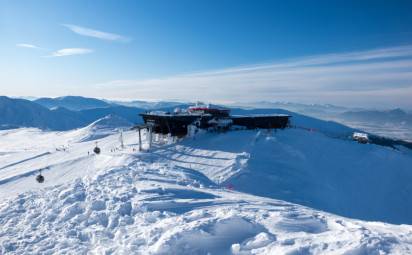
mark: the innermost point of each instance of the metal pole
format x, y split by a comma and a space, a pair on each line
121, 140
150, 137
140, 141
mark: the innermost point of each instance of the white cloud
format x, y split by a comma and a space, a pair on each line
346, 78
96, 33
70, 51
30, 46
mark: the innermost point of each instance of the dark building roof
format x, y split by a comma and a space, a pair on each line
204, 117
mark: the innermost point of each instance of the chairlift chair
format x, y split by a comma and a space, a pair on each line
96, 149
40, 177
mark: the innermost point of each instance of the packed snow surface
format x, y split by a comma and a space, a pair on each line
241, 192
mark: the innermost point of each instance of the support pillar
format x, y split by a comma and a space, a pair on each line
140, 140
150, 136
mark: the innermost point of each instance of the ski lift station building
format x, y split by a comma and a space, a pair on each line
207, 117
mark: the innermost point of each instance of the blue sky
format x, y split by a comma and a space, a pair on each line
355, 53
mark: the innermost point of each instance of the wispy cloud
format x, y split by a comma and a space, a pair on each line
29, 46
70, 52
58, 53
354, 77
96, 33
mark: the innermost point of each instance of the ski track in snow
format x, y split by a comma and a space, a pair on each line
171, 200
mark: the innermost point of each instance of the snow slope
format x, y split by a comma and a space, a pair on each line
111, 124
367, 182
198, 196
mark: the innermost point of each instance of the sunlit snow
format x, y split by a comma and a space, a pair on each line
240, 192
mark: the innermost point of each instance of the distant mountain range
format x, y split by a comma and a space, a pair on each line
395, 123
78, 103
396, 116
65, 113
314, 110
24, 113
74, 103
147, 105
391, 123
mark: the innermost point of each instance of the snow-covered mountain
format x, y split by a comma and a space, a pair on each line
130, 114
109, 125
314, 110
394, 124
24, 113
74, 103
293, 191
147, 104
393, 117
